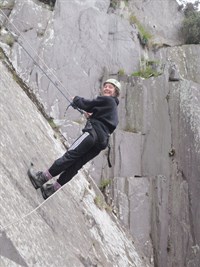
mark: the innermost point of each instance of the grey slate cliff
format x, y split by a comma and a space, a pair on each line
155, 176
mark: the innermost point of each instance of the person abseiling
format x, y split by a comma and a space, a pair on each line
102, 121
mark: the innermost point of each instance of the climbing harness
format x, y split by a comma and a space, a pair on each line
55, 83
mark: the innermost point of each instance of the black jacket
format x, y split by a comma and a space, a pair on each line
104, 118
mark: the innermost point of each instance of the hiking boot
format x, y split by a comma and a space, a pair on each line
37, 178
47, 190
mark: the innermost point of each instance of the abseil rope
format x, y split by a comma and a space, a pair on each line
42, 61
56, 85
2, 229
17, 221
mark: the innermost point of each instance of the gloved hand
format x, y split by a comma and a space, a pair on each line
73, 105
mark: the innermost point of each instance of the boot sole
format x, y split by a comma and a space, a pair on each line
32, 179
43, 193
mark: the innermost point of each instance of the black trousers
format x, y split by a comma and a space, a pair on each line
81, 151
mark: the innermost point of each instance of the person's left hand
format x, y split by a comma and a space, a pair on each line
87, 115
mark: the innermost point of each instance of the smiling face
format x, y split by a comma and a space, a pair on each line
109, 90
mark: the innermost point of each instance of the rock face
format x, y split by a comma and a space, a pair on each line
162, 20
156, 189
68, 229
185, 187
155, 151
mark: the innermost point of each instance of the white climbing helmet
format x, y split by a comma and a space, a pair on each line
115, 83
